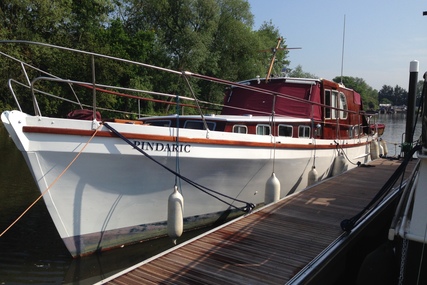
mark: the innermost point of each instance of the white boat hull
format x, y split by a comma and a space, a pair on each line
113, 195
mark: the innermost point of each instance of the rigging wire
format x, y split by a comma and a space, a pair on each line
273, 128
197, 103
314, 140
338, 146
53, 183
177, 167
420, 263
248, 208
348, 224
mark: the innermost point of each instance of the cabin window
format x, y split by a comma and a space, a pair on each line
263, 130
331, 100
304, 131
334, 104
241, 129
285, 131
343, 106
163, 123
199, 125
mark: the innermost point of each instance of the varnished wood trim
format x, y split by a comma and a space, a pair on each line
145, 137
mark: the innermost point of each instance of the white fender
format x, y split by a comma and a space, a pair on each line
175, 216
272, 189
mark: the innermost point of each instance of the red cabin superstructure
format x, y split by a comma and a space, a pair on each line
334, 112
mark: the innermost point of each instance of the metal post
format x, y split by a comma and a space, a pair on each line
410, 113
94, 88
424, 95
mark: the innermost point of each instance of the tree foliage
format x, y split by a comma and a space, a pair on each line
396, 96
297, 72
368, 94
211, 37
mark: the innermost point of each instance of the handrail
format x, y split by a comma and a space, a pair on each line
90, 53
98, 87
41, 92
9, 83
104, 89
93, 89
184, 73
95, 86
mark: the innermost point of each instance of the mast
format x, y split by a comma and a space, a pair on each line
279, 40
342, 52
273, 58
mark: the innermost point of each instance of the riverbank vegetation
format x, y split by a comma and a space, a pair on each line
211, 37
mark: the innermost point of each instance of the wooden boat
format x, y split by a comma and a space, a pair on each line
106, 182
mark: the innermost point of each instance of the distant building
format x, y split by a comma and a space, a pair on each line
389, 109
386, 109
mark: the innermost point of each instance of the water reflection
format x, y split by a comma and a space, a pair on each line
395, 131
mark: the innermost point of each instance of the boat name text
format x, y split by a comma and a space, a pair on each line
167, 147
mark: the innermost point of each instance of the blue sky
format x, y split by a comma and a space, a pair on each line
382, 37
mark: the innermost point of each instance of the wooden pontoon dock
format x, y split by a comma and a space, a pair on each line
297, 240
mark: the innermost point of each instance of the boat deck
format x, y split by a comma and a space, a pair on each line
271, 245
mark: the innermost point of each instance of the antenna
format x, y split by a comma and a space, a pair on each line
342, 52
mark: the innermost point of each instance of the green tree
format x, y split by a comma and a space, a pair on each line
64, 22
33, 19
297, 72
419, 92
184, 29
211, 37
267, 34
368, 94
385, 95
401, 96
396, 96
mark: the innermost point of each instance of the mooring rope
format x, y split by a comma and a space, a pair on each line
249, 206
348, 224
338, 145
53, 183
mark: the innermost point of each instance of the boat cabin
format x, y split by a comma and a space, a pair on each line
335, 112
303, 108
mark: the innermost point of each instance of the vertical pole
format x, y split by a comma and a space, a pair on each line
93, 88
410, 113
279, 40
342, 52
424, 96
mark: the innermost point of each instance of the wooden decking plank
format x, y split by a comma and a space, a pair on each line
271, 245
291, 240
160, 272
227, 266
215, 270
272, 259
248, 264
186, 267
268, 236
135, 277
240, 254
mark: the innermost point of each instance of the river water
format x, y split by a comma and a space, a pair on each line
31, 252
